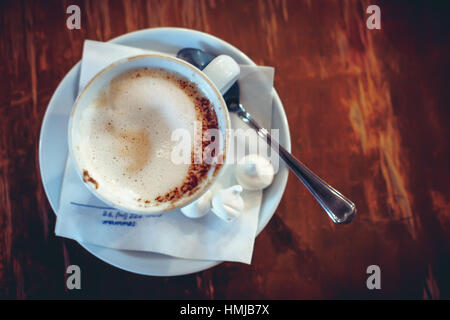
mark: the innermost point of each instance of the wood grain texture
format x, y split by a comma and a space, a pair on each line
368, 111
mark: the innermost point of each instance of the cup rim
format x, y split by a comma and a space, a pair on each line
204, 188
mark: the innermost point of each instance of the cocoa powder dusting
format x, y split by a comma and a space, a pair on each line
87, 178
198, 170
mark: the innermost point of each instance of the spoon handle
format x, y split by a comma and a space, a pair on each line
340, 209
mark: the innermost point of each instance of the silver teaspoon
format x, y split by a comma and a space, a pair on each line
340, 209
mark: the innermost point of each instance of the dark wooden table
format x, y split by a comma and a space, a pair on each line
368, 110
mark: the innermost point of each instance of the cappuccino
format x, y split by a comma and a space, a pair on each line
126, 145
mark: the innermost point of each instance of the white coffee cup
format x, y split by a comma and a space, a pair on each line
213, 81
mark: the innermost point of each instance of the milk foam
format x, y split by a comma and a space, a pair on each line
126, 144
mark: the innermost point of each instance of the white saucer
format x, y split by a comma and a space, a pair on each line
53, 147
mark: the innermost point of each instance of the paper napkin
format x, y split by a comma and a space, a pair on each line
84, 218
